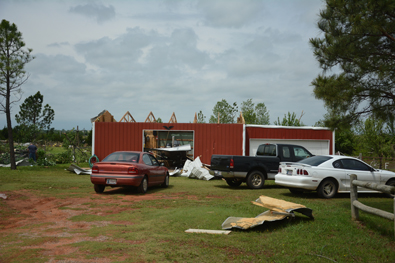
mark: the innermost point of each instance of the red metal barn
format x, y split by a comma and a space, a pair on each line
205, 139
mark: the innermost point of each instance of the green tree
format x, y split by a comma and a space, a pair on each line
224, 111
201, 118
359, 44
345, 138
33, 117
255, 114
375, 138
289, 120
4, 133
13, 58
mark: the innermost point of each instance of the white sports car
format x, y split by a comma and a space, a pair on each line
329, 174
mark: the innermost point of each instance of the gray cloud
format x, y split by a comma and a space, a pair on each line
170, 56
230, 13
100, 12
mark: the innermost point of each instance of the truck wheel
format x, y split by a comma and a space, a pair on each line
255, 180
233, 182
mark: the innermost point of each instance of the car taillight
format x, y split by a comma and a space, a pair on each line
302, 172
133, 170
95, 169
279, 170
232, 164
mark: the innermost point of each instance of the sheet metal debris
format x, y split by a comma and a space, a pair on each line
23, 162
279, 210
78, 170
181, 148
207, 231
196, 170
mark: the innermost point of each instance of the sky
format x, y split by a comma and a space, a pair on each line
168, 56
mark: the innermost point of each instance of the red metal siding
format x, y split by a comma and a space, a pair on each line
209, 139
289, 134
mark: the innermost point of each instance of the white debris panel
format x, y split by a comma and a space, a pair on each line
78, 170
279, 210
193, 170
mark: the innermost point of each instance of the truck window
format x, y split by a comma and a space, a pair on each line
266, 150
260, 150
269, 150
301, 152
286, 152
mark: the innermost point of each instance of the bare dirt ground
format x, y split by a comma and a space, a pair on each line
52, 222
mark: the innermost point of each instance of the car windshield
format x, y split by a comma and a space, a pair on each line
315, 160
122, 157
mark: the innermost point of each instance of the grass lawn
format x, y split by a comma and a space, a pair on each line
121, 225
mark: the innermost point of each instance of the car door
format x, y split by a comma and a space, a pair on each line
153, 169
363, 171
158, 172
341, 175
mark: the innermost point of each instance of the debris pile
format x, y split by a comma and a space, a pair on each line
279, 210
195, 169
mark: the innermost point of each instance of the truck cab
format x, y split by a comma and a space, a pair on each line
254, 170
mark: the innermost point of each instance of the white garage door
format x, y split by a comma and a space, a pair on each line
316, 147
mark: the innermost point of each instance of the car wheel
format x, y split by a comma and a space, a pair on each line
143, 186
233, 182
327, 188
99, 188
390, 182
296, 191
165, 184
255, 180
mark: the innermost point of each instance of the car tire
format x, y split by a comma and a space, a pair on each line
391, 182
327, 189
142, 189
165, 184
255, 180
233, 182
296, 191
99, 188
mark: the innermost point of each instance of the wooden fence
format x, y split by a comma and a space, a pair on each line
356, 205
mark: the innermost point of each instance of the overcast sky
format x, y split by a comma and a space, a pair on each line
168, 56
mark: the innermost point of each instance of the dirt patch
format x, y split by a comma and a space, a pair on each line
30, 215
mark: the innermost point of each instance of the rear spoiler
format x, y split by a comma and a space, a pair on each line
295, 163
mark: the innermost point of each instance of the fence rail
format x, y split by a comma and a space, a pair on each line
356, 205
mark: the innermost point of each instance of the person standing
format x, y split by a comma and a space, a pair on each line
32, 151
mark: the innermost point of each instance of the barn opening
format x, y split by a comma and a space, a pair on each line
173, 154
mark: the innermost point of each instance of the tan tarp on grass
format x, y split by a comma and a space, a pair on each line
279, 210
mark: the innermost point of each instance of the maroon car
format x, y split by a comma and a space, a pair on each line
139, 169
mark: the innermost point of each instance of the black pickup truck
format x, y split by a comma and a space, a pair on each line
254, 170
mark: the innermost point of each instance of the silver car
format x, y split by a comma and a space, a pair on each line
329, 175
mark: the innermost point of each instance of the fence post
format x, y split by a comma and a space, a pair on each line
354, 197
